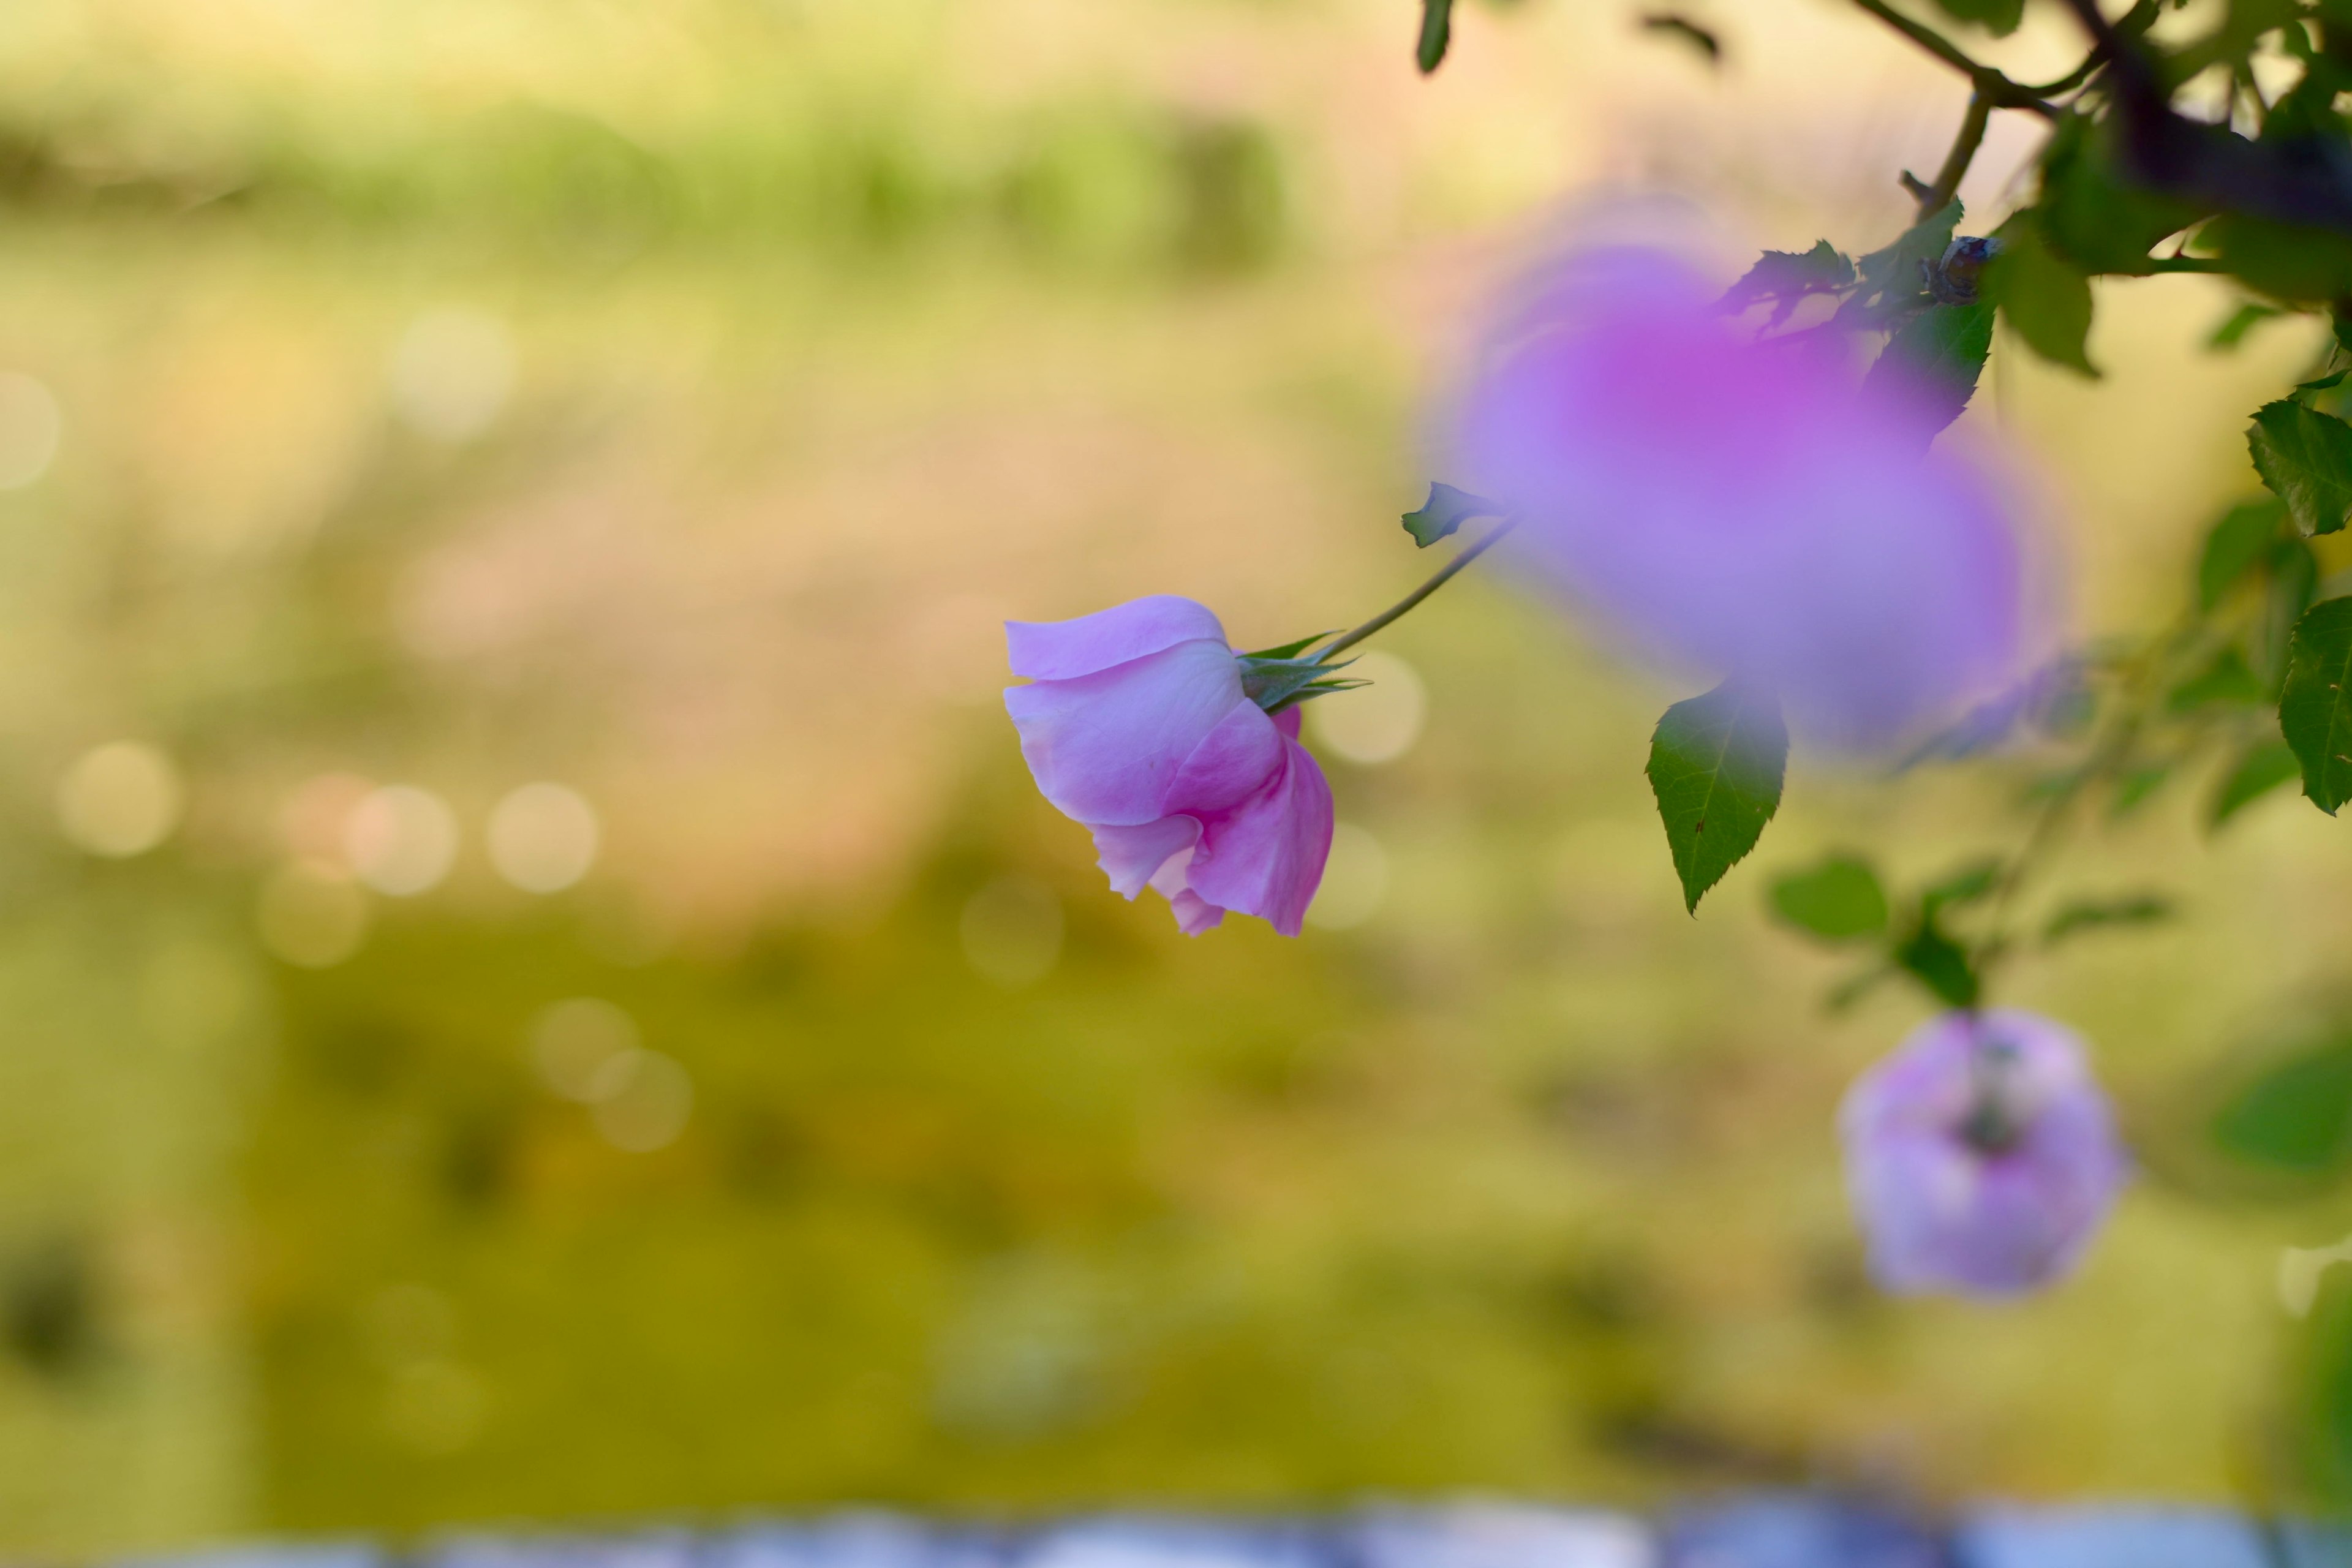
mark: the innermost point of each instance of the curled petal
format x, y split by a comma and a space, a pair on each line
1059, 651
1232, 763
1105, 746
1265, 856
1131, 856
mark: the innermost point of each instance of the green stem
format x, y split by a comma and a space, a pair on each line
1935, 198
1403, 606
2003, 93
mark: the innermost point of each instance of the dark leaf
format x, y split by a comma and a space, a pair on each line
2264, 767
1446, 509
2091, 214
1436, 33
1690, 32
1998, 18
2045, 300
2306, 457
1791, 275
1837, 900
2314, 708
2233, 332
1894, 280
1715, 765
2234, 543
2091, 914
1940, 964
1934, 360
2285, 261
2321, 383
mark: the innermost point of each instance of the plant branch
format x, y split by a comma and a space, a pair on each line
2003, 93
1405, 605
1936, 197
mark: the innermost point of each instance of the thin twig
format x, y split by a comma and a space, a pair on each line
1438, 580
1936, 197
2003, 92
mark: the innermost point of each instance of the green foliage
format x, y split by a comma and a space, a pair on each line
1676, 26
1838, 899
1788, 276
1436, 34
2242, 538
2305, 459
2316, 707
2244, 320
2080, 915
1893, 282
2090, 213
1998, 18
1445, 510
1931, 957
2296, 1117
2045, 301
2226, 682
1938, 355
2261, 768
1717, 762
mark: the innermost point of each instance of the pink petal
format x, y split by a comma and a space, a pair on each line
1195, 914
1232, 762
1104, 747
1129, 855
1059, 651
1265, 856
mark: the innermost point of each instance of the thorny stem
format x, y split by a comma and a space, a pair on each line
1401, 606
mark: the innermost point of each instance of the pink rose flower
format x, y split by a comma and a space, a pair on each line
1981, 1155
1135, 723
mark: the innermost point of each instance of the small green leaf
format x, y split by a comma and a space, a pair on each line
1974, 881
2291, 573
1836, 900
1935, 359
2045, 300
1287, 650
1939, 963
1715, 765
1679, 27
2134, 788
1446, 509
2298, 1116
2091, 914
2321, 383
2264, 766
2306, 457
2235, 544
1791, 275
2245, 318
2227, 681
1998, 18
2315, 708
1436, 33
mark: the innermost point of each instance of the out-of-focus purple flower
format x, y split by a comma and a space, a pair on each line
1136, 724
1981, 1155
1739, 508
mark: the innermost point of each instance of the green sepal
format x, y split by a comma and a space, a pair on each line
1313, 689
1288, 649
1445, 510
1717, 763
2316, 707
2305, 459
1273, 683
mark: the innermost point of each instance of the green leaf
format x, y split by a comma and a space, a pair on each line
2292, 582
2285, 261
1974, 881
1287, 650
2235, 544
2045, 300
2296, 1117
1939, 963
1791, 275
1275, 684
1716, 766
2306, 457
1836, 900
2092, 914
1894, 281
1935, 359
2090, 213
2264, 766
1679, 27
2133, 790
1436, 33
2316, 709
1998, 18
1446, 509
2233, 332
2226, 682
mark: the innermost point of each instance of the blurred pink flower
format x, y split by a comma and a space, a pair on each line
1981, 1155
1135, 723
1728, 506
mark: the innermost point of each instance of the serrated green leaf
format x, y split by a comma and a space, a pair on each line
1717, 762
2092, 914
1436, 34
1939, 963
2264, 766
2305, 459
2234, 543
1446, 509
1789, 275
2316, 707
1934, 360
2244, 320
2045, 300
1998, 18
1838, 899
1894, 281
